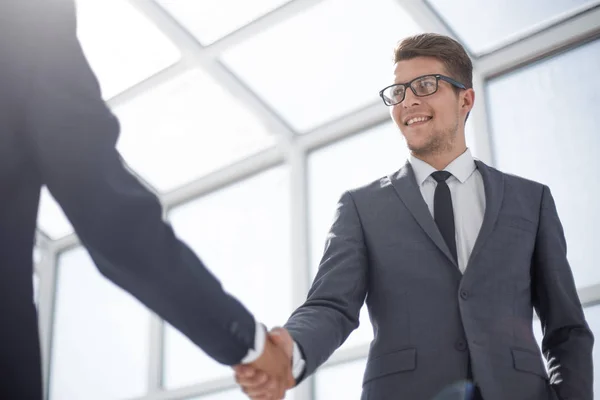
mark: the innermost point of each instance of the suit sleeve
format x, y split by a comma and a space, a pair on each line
71, 136
331, 311
568, 341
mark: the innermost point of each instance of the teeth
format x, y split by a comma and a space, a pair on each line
417, 119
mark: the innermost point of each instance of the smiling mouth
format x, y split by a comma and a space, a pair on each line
417, 121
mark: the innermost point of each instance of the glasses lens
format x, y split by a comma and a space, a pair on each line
425, 85
394, 95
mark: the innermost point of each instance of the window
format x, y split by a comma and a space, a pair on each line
242, 233
210, 20
186, 128
341, 381
544, 124
316, 74
121, 45
483, 26
101, 335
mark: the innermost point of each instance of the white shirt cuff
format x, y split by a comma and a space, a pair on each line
260, 336
297, 362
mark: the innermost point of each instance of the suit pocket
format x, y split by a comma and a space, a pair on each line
391, 363
515, 221
513, 232
528, 361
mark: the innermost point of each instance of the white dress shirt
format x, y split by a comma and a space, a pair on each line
468, 204
468, 199
260, 336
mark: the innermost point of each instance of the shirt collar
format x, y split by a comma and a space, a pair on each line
461, 168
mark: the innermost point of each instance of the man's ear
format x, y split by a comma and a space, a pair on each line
468, 99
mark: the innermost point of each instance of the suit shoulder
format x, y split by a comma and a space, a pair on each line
520, 186
371, 187
517, 180
514, 179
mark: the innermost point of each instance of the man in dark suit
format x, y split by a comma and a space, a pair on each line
452, 256
55, 130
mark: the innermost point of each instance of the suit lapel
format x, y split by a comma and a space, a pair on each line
493, 183
406, 187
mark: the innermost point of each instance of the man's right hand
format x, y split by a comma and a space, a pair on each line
270, 376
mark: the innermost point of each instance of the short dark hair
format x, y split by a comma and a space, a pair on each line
450, 52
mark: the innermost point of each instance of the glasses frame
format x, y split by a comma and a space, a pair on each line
438, 78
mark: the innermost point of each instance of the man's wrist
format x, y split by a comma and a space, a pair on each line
260, 336
297, 362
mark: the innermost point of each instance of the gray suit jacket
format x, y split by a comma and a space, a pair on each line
428, 318
56, 130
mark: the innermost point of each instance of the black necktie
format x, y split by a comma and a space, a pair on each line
442, 210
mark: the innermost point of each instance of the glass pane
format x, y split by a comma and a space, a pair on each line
100, 339
210, 20
242, 233
51, 218
544, 121
121, 45
325, 62
592, 314
38, 254
537, 332
36, 289
186, 128
37, 258
488, 24
328, 381
347, 164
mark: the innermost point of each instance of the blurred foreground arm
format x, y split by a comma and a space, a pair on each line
70, 136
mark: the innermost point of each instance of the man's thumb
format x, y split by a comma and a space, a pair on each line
282, 338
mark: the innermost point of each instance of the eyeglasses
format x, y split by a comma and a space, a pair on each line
421, 86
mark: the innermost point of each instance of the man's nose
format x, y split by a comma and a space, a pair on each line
410, 99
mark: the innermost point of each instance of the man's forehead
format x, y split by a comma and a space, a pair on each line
407, 70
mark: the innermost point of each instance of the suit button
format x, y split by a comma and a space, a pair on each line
464, 294
460, 345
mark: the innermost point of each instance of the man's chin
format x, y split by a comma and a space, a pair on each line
419, 150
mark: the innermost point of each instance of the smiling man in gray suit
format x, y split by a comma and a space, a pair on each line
452, 256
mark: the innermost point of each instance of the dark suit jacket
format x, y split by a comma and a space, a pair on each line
428, 318
55, 130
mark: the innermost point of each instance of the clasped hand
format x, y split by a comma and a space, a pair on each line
270, 376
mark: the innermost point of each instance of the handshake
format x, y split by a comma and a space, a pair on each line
270, 376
